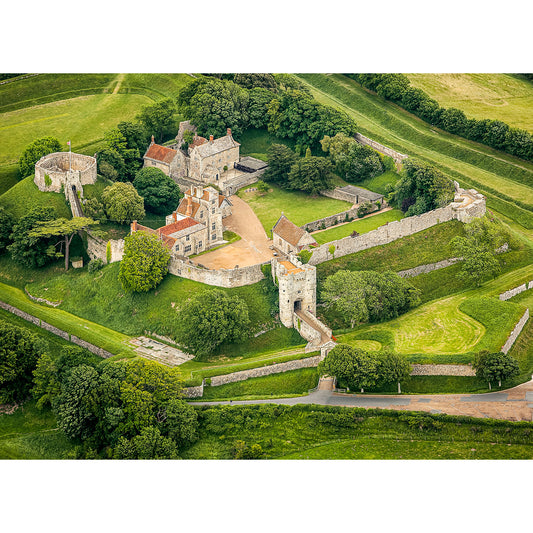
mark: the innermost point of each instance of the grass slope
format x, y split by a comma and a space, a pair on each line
298, 207
505, 97
505, 180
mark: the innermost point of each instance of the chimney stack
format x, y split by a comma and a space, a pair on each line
210, 138
153, 140
134, 226
175, 216
229, 132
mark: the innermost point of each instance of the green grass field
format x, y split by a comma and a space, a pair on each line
255, 143
298, 207
505, 180
361, 226
505, 97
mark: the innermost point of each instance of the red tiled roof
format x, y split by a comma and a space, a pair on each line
182, 208
197, 141
288, 231
160, 153
184, 223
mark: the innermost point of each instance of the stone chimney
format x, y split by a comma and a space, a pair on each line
210, 138
175, 216
189, 207
228, 131
153, 141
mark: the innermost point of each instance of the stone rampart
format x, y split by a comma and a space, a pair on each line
424, 269
91, 347
516, 290
55, 331
442, 370
97, 248
308, 332
194, 392
56, 167
19, 313
516, 332
228, 278
385, 150
266, 370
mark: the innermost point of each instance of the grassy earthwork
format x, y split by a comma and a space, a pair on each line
505, 180
505, 97
297, 206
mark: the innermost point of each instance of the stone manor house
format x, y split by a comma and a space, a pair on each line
204, 161
196, 225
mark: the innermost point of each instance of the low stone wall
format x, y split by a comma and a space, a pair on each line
424, 269
517, 290
516, 332
97, 248
194, 392
442, 370
228, 278
242, 181
385, 150
332, 220
56, 331
337, 194
309, 333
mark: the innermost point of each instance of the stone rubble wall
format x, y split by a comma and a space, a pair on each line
97, 248
337, 194
516, 290
309, 333
516, 332
56, 331
194, 392
228, 278
330, 221
442, 370
424, 269
385, 150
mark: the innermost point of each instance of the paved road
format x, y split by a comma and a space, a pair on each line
512, 404
252, 249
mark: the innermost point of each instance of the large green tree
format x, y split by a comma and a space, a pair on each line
256, 80
122, 203
357, 368
144, 264
158, 119
311, 174
149, 444
61, 227
34, 151
280, 161
161, 194
32, 252
19, 351
495, 366
7, 222
393, 368
211, 318
180, 422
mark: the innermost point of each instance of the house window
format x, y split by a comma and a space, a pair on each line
213, 226
187, 248
187, 237
199, 244
202, 214
213, 211
214, 237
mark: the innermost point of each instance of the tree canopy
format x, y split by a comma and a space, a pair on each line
280, 161
311, 174
144, 264
158, 119
7, 222
34, 151
393, 368
122, 203
495, 366
211, 318
161, 194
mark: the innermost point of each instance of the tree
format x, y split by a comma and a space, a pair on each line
211, 318
311, 174
360, 163
280, 161
255, 80
258, 107
122, 203
19, 351
6, 227
128, 140
161, 194
495, 366
61, 227
354, 366
34, 151
32, 252
144, 264
158, 118
478, 249
94, 209
111, 164
181, 422
150, 444
392, 368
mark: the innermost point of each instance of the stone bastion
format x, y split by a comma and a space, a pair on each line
53, 172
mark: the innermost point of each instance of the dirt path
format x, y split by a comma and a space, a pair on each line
252, 249
119, 79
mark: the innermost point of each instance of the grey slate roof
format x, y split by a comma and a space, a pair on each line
218, 145
362, 193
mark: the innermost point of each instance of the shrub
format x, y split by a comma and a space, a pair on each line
305, 256
34, 151
47, 180
161, 194
108, 252
95, 265
364, 209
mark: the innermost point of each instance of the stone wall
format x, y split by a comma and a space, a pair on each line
56, 167
309, 333
228, 278
516, 332
424, 269
442, 370
97, 248
385, 150
56, 331
517, 290
332, 220
232, 186
337, 194
194, 392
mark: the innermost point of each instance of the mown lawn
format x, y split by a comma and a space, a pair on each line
363, 225
83, 120
505, 97
298, 207
505, 180
256, 142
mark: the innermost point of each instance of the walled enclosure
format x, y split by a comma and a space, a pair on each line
56, 167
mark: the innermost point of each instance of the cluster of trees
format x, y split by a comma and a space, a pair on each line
211, 318
353, 161
368, 296
144, 264
421, 188
479, 247
359, 369
123, 409
493, 133
495, 367
161, 193
277, 102
310, 173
